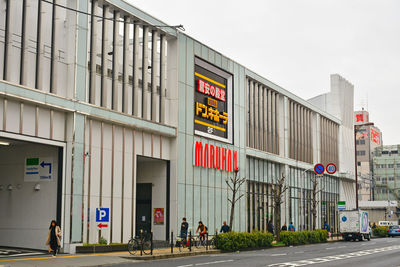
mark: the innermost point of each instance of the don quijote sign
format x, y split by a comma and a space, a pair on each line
214, 157
213, 102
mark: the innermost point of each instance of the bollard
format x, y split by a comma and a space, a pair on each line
151, 242
172, 241
141, 242
190, 240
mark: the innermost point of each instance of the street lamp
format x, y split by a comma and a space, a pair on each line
356, 129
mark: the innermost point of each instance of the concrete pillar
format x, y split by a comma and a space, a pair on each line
136, 105
163, 78
145, 76
115, 90
154, 73
125, 87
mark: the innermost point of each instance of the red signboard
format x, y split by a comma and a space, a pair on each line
375, 137
359, 117
158, 215
215, 157
208, 89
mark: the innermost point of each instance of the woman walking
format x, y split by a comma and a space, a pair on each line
54, 237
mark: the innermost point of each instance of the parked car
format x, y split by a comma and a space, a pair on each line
394, 230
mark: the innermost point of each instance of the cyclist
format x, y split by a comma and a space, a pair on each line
202, 230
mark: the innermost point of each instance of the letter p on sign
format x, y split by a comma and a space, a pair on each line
102, 215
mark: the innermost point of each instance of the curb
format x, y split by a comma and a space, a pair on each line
168, 256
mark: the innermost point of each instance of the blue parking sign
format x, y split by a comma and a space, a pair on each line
102, 215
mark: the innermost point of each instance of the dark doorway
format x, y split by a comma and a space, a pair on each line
143, 208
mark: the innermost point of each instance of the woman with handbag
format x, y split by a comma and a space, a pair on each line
54, 237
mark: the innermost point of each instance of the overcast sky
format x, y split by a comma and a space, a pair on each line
298, 44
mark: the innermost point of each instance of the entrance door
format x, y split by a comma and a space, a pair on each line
143, 208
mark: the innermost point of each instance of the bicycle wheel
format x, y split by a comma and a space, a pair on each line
198, 243
146, 247
181, 245
133, 246
213, 243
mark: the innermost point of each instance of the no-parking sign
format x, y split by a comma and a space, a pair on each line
319, 168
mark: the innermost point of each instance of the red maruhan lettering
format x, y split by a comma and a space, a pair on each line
215, 157
198, 154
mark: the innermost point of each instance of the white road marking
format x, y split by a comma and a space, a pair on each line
336, 247
21, 254
212, 262
187, 265
280, 254
335, 257
298, 252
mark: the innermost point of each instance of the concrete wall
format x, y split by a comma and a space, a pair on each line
110, 173
155, 172
25, 213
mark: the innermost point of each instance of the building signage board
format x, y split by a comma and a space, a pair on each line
214, 157
213, 113
102, 217
38, 169
341, 205
375, 137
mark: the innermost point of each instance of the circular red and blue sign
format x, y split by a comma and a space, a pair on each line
319, 168
331, 168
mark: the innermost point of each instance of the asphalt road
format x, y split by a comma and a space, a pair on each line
377, 252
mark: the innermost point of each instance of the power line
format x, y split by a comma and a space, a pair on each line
180, 26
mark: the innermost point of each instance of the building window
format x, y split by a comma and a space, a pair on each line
377, 178
391, 178
358, 163
385, 152
361, 153
390, 166
394, 152
398, 165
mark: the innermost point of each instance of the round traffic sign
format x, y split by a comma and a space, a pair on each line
319, 168
331, 168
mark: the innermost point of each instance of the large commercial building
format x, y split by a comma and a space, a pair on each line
368, 137
386, 169
111, 108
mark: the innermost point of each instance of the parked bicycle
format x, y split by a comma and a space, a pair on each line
141, 243
183, 243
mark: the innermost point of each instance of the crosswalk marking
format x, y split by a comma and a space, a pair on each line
335, 257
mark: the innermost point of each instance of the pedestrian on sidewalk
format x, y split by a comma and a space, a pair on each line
326, 226
225, 228
54, 237
270, 227
184, 228
284, 227
291, 227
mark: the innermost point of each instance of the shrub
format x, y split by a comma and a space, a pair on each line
102, 241
233, 241
380, 231
304, 237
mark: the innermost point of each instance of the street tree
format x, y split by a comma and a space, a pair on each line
314, 200
234, 183
278, 191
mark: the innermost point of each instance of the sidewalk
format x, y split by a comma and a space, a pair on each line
100, 259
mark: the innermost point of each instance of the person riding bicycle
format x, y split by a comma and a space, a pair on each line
202, 230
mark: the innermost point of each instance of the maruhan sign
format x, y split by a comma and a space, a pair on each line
215, 157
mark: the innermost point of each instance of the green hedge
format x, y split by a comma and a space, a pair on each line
304, 237
233, 241
380, 231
